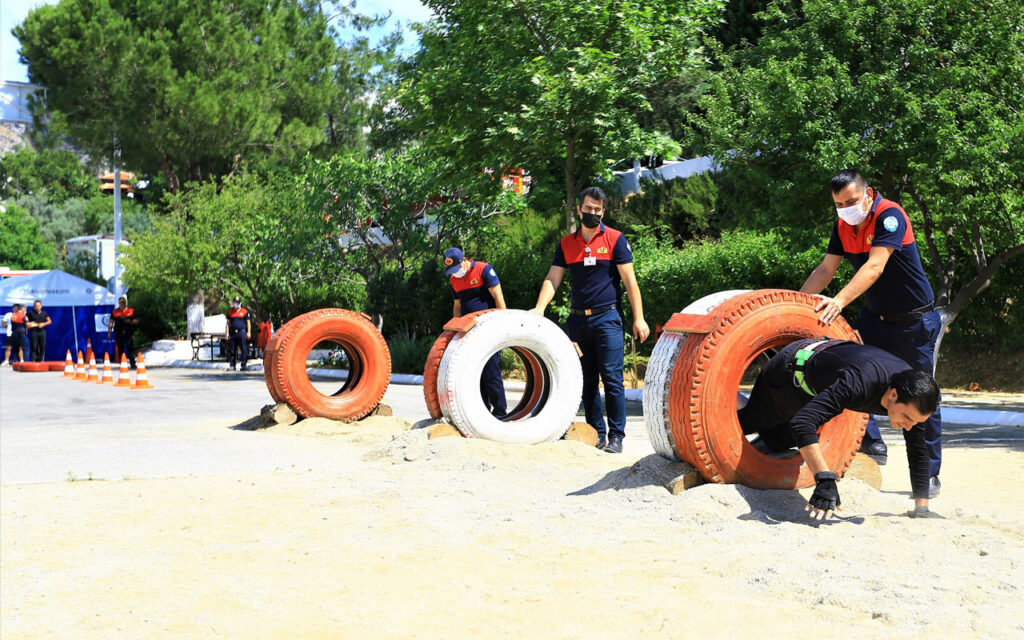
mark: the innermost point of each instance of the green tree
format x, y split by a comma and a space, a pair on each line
926, 102
189, 90
22, 245
53, 174
531, 83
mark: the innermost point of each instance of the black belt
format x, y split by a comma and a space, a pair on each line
592, 312
909, 315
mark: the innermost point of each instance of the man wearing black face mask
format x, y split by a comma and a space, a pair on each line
898, 316
599, 259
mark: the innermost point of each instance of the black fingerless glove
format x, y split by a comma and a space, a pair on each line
826, 493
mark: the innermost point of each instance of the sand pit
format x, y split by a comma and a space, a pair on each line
413, 538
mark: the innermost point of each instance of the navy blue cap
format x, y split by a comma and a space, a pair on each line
453, 260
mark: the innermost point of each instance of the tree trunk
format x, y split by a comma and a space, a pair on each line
570, 184
196, 311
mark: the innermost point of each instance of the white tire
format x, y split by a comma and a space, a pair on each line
658, 379
458, 380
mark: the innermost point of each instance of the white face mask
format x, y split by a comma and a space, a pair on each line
853, 214
461, 272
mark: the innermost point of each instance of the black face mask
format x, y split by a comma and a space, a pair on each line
591, 220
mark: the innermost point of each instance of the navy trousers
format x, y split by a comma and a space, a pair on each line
492, 387
238, 342
600, 338
19, 346
914, 341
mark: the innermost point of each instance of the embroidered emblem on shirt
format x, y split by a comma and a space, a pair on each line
890, 223
474, 281
603, 250
870, 238
490, 272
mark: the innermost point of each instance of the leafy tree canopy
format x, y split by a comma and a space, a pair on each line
22, 245
189, 89
530, 83
54, 174
923, 96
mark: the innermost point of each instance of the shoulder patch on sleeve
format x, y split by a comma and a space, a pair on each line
490, 272
890, 223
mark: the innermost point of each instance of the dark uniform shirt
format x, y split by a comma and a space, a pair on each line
902, 286
37, 316
119, 318
473, 289
17, 322
236, 318
593, 266
855, 377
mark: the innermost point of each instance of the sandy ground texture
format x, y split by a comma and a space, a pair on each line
401, 537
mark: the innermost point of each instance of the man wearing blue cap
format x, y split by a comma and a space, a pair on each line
475, 287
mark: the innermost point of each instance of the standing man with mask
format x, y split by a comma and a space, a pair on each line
122, 324
899, 314
599, 259
238, 332
475, 287
37, 320
18, 339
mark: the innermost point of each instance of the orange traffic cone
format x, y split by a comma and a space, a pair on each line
69, 366
94, 374
124, 376
80, 371
108, 375
88, 349
141, 381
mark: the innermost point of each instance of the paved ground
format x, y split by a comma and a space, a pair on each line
55, 429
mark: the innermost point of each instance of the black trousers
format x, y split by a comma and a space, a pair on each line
774, 400
38, 339
126, 345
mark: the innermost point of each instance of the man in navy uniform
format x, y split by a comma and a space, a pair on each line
809, 382
122, 324
238, 332
475, 287
899, 314
599, 260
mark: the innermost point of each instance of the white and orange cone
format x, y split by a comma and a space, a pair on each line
124, 376
108, 374
80, 370
141, 381
94, 374
88, 349
69, 366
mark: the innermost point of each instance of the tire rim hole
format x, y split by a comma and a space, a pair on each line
521, 365
757, 363
327, 360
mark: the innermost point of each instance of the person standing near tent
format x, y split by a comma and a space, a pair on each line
36, 321
18, 340
5, 324
122, 323
238, 331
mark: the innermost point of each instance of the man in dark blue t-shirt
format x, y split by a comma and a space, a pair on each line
599, 260
899, 316
475, 287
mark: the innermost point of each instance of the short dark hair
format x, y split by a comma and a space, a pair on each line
39, 301
593, 192
917, 387
15, 307
845, 177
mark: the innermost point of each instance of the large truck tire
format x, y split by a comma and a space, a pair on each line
32, 367
552, 402
434, 363
369, 364
658, 378
716, 349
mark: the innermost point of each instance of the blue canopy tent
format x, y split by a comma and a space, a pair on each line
80, 310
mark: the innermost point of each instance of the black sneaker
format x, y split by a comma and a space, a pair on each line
245, 367
877, 450
602, 442
614, 445
934, 487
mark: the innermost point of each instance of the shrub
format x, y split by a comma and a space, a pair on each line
408, 353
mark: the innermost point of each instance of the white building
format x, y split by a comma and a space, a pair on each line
99, 248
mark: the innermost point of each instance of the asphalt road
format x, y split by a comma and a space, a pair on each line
53, 429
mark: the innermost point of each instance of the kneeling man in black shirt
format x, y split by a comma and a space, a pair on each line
809, 382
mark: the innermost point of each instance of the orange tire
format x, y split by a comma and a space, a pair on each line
433, 364
54, 365
269, 353
706, 379
33, 367
369, 357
